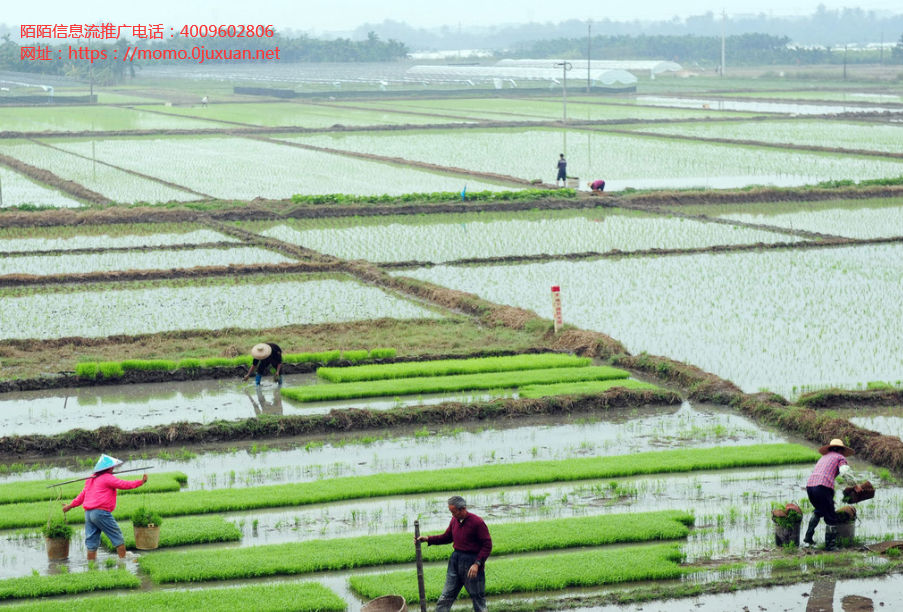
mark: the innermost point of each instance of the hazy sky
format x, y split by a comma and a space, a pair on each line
344, 15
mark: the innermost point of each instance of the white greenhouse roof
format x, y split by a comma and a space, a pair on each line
484, 73
655, 67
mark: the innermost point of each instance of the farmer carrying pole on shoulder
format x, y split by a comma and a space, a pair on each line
820, 489
472, 543
99, 499
266, 355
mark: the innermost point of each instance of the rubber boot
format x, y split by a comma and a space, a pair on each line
830, 538
809, 539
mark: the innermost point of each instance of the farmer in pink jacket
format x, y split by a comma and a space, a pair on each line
99, 498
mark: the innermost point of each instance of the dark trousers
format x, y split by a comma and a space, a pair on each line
822, 499
458, 566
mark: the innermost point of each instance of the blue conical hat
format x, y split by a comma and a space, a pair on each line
106, 462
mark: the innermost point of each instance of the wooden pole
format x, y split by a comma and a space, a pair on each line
420, 585
59, 484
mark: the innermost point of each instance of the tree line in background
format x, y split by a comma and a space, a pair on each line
823, 28
743, 49
291, 50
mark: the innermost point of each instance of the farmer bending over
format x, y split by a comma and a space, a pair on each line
820, 488
597, 185
266, 355
99, 498
470, 538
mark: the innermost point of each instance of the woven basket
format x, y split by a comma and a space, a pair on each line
387, 603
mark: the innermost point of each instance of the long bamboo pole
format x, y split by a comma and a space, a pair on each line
420, 585
59, 484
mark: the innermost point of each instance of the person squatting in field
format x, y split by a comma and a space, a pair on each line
470, 538
820, 489
99, 499
266, 355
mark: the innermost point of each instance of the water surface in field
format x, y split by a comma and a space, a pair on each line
438, 238
792, 108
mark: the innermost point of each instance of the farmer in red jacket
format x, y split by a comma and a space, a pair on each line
99, 498
470, 538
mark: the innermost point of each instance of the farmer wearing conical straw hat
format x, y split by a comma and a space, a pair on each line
99, 498
266, 355
820, 488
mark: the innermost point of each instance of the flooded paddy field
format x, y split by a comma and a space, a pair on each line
41, 265
535, 110
122, 236
879, 218
293, 114
19, 189
752, 318
875, 97
108, 181
96, 118
642, 162
449, 237
888, 421
787, 108
859, 136
135, 308
241, 168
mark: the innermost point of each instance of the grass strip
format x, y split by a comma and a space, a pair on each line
347, 553
117, 369
432, 481
447, 367
283, 597
583, 388
184, 531
443, 384
436, 196
36, 490
67, 584
540, 573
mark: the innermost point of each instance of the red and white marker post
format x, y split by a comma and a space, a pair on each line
556, 307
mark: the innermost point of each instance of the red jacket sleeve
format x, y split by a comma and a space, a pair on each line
483, 535
118, 483
445, 538
80, 498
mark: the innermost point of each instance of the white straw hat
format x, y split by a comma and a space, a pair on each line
261, 351
836, 442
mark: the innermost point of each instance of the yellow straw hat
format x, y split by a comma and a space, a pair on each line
261, 351
836, 442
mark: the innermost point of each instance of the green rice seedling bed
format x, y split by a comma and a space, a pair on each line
446, 367
458, 479
540, 573
579, 388
185, 531
36, 490
346, 553
443, 384
288, 597
67, 584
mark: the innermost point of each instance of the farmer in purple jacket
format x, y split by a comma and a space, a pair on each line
470, 538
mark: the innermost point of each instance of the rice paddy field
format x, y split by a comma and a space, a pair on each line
624, 161
401, 251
